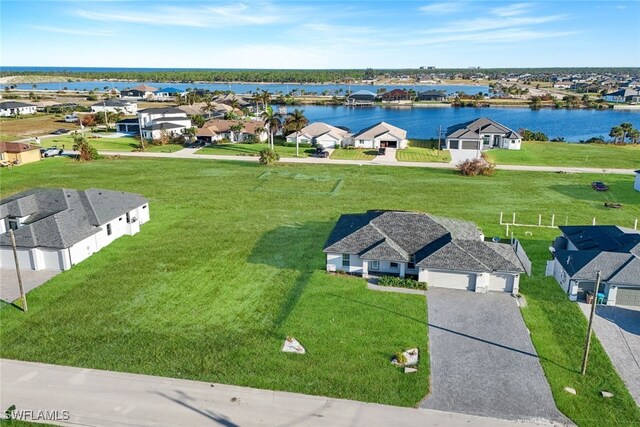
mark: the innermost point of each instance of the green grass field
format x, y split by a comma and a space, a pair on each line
354, 154
238, 149
126, 143
417, 154
564, 154
231, 263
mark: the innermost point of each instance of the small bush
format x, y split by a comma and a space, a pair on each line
400, 357
398, 282
268, 156
473, 167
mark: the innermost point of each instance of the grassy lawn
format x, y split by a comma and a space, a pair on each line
26, 126
417, 154
354, 154
238, 149
126, 143
222, 273
564, 154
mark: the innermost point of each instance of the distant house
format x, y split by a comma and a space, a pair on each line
631, 84
232, 98
432, 95
380, 135
17, 153
562, 85
628, 95
56, 228
482, 134
583, 250
443, 252
115, 106
361, 97
15, 108
396, 95
167, 94
128, 126
156, 121
142, 91
217, 130
320, 133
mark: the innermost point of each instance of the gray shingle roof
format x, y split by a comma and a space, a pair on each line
474, 128
582, 265
14, 104
59, 218
436, 242
601, 237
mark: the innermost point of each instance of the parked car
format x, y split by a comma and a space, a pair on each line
599, 186
382, 151
60, 131
70, 118
321, 152
52, 152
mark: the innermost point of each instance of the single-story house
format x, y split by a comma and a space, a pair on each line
320, 133
379, 135
167, 94
583, 250
15, 108
443, 252
432, 95
623, 95
218, 129
482, 134
142, 91
636, 183
128, 126
395, 95
361, 97
155, 121
232, 98
56, 228
563, 85
115, 106
18, 153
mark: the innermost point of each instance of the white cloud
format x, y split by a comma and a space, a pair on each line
512, 9
62, 30
483, 24
442, 8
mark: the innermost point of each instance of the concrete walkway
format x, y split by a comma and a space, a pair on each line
190, 154
618, 330
104, 398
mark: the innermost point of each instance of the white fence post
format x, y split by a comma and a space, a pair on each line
507, 232
500, 218
635, 224
553, 219
514, 218
539, 220
594, 220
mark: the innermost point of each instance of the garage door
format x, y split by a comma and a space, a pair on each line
469, 145
452, 280
501, 282
628, 296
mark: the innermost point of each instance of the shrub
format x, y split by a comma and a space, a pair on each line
398, 282
473, 167
87, 151
268, 156
400, 357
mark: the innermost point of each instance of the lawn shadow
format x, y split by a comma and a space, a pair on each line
421, 321
584, 192
218, 419
298, 247
8, 304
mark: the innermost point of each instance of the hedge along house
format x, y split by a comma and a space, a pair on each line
482, 134
440, 251
58, 228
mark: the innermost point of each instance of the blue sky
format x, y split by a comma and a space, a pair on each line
320, 34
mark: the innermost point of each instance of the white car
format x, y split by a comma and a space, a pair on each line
52, 152
71, 118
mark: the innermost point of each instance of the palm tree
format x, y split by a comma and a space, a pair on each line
626, 128
259, 131
295, 122
634, 135
236, 127
616, 132
208, 106
271, 121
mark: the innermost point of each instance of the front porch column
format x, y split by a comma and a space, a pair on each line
403, 267
365, 269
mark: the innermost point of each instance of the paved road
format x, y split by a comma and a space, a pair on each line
9, 290
482, 359
188, 153
103, 398
618, 329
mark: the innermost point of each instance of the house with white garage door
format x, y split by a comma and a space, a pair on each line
583, 250
379, 135
440, 251
56, 228
481, 134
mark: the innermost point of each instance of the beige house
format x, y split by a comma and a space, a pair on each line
16, 153
380, 135
218, 129
320, 133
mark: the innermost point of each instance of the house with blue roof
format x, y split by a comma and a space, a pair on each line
168, 94
361, 97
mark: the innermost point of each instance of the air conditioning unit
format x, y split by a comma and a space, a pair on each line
331, 268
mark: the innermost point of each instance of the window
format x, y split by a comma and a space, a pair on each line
346, 260
13, 223
128, 218
393, 265
412, 262
486, 139
374, 265
108, 229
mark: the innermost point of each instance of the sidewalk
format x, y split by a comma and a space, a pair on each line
104, 398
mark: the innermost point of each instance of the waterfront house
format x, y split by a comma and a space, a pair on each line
627, 95
117, 106
396, 95
583, 250
142, 91
168, 94
380, 135
218, 129
481, 134
443, 252
56, 228
432, 95
361, 97
131, 126
17, 153
321, 134
156, 121
15, 108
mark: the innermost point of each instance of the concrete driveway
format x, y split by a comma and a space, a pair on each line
9, 290
482, 359
618, 329
459, 156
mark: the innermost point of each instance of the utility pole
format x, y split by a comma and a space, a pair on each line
587, 344
23, 297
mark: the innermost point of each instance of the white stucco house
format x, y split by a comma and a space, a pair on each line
583, 250
629, 95
440, 251
320, 133
168, 94
154, 121
482, 134
58, 228
220, 129
113, 105
379, 135
15, 108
